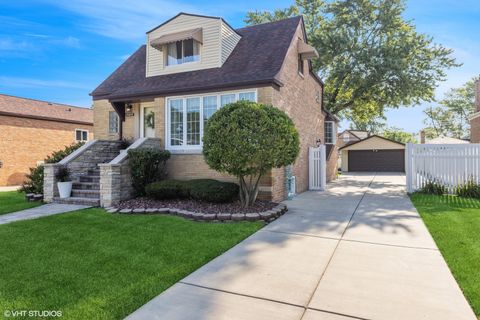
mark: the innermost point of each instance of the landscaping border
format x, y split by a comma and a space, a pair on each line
267, 216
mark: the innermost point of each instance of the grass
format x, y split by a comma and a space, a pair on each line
93, 265
12, 201
455, 225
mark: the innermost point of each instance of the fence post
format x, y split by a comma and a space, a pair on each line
323, 167
408, 167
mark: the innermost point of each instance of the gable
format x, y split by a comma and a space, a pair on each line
374, 142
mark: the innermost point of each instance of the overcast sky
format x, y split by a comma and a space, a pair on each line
61, 50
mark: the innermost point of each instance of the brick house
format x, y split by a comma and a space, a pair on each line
475, 119
190, 66
32, 129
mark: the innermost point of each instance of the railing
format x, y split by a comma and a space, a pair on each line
447, 164
317, 164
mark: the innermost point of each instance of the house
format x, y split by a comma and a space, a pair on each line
373, 154
192, 65
31, 129
475, 119
350, 136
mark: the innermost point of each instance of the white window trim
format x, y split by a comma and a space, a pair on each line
198, 148
83, 130
173, 66
334, 136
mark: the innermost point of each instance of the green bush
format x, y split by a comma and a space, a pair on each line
146, 166
167, 189
433, 187
468, 190
201, 189
247, 140
34, 181
213, 191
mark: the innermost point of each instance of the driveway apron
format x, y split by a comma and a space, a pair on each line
356, 251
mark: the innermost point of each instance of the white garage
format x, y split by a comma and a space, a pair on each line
373, 154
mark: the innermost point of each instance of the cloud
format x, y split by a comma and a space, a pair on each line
19, 82
121, 19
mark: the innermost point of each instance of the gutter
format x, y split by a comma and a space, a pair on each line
26, 116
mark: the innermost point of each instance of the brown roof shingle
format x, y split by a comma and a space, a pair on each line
37, 109
257, 58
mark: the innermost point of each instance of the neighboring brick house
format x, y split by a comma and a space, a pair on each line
192, 65
32, 129
475, 119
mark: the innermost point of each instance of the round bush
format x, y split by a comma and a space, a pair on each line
167, 189
213, 190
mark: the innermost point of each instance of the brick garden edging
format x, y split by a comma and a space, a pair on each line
267, 216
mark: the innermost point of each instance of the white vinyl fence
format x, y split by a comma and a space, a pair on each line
447, 164
317, 168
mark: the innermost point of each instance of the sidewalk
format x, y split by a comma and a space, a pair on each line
358, 251
39, 212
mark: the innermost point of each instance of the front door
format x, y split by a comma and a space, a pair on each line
147, 122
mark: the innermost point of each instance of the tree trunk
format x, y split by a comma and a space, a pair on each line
248, 190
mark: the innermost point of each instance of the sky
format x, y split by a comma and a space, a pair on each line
60, 51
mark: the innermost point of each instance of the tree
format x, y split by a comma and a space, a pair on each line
371, 58
451, 117
397, 134
247, 140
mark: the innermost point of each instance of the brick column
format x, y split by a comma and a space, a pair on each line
110, 184
50, 190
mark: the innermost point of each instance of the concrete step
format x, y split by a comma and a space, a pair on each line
78, 200
91, 194
86, 186
93, 172
89, 178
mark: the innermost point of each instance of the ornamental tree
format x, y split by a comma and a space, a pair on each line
247, 140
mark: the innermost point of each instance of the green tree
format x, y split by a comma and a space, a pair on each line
451, 117
247, 140
371, 58
397, 134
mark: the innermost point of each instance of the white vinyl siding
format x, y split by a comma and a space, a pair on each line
229, 40
188, 115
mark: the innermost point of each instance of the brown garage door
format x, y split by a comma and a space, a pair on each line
376, 160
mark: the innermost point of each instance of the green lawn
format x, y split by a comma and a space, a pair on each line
12, 201
93, 265
455, 225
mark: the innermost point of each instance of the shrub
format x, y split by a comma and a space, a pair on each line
63, 175
146, 166
213, 191
247, 140
468, 190
433, 187
34, 181
201, 189
167, 189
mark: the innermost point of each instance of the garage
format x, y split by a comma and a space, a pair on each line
373, 154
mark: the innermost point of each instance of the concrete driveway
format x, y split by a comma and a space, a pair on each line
357, 251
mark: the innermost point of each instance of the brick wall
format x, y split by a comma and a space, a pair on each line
24, 142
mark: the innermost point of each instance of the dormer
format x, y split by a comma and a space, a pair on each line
189, 42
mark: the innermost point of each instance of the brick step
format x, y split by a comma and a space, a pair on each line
91, 194
89, 178
86, 186
77, 200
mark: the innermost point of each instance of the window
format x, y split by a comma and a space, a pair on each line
330, 132
183, 51
346, 137
300, 64
81, 135
188, 116
113, 122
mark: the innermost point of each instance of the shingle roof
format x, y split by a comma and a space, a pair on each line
30, 108
257, 58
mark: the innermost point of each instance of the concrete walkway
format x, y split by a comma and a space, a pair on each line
39, 212
358, 251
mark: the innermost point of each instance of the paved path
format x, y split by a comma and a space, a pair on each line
39, 212
358, 251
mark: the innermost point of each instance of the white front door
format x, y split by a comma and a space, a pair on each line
147, 122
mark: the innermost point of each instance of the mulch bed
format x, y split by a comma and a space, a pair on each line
196, 206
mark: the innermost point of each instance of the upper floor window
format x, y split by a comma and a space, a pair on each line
183, 51
81, 135
188, 116
330, 136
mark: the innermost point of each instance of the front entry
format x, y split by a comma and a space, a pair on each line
147, 122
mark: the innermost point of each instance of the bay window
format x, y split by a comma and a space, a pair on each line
183, 51
188, 116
